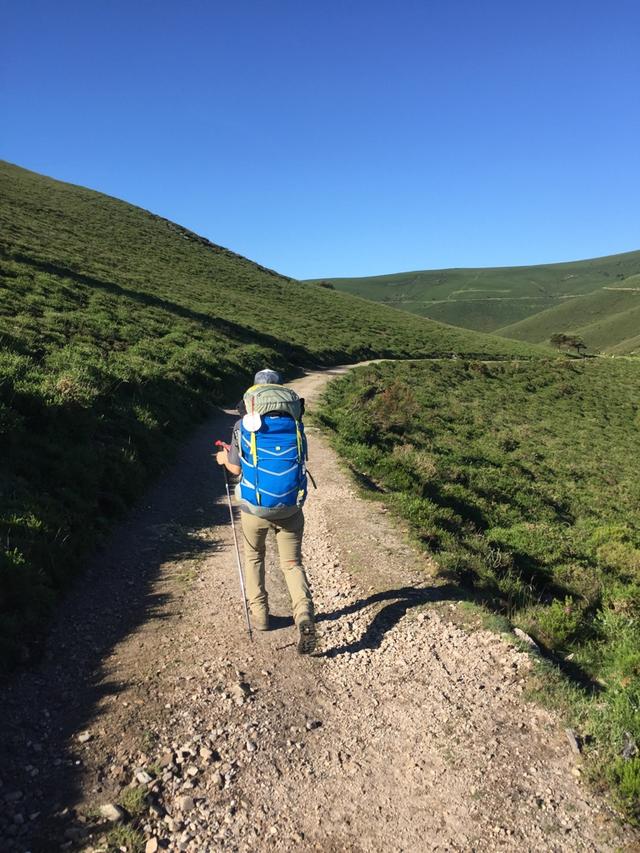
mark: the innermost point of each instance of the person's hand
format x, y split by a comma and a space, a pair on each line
221, 457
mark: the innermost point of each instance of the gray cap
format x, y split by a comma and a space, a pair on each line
267, 377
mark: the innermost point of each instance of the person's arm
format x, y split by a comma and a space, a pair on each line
222, 458
231, 458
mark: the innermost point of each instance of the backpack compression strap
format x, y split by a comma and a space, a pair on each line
299, 440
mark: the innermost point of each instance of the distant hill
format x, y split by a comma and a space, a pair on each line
491, 298
607, 319
118, 329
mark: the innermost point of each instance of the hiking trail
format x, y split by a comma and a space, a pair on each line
404, 732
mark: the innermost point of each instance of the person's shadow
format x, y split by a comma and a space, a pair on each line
401, 600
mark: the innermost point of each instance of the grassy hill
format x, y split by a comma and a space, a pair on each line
630, 346
607, 319
118, 330
535, 518
490, 298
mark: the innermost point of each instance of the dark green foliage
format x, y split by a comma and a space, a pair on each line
564, 341
523, 479
118, 330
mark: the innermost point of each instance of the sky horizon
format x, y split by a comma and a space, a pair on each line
342, 141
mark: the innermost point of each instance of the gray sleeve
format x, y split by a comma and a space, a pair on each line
234, 451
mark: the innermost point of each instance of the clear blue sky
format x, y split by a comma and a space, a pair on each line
342, 138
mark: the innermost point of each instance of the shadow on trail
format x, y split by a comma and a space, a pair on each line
75, 683
387, 617
403, 599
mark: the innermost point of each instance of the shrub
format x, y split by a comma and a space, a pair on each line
621, 557
556, 624
625, 775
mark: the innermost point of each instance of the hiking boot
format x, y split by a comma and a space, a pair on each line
307, 640
260, 620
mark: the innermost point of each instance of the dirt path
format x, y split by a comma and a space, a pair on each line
403, 733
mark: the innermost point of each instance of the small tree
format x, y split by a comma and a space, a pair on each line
564, 341
579, 345
558, 340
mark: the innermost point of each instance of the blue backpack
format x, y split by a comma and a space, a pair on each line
273, 452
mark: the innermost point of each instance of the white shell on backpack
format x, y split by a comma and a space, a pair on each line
252, 422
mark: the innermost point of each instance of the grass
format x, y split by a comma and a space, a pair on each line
523, 480
483, 315
607, 320
134, 800
629, 346
124, 837
118, 332
149, 740
490, 298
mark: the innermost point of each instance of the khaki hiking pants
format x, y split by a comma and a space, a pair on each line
289, 540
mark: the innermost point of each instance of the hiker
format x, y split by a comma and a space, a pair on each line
268, 449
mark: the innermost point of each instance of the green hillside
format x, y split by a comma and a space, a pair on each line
489, 298
606, 319
118, 330
631, 346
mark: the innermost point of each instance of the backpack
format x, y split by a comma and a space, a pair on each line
273, 449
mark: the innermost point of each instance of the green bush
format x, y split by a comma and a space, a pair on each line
625, 776
555, 624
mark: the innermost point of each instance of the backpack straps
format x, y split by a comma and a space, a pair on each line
299, 440
254, 449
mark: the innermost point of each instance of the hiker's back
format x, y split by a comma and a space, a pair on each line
269, 450
273, 452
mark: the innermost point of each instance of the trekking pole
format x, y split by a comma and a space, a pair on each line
235, 539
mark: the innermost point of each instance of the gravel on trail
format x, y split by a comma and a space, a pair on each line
403, 732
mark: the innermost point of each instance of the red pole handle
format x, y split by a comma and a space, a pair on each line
219, 443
